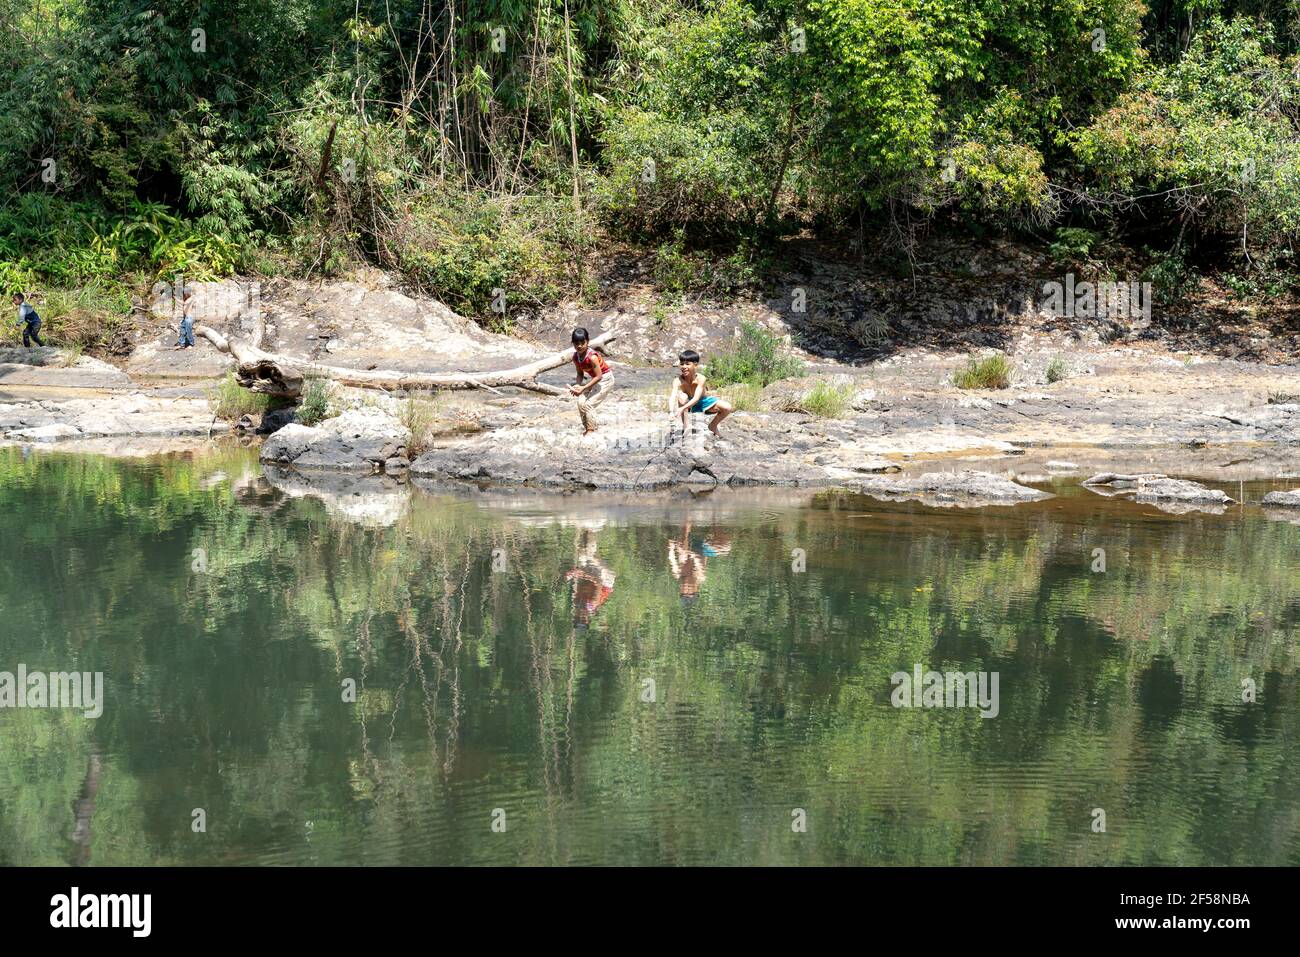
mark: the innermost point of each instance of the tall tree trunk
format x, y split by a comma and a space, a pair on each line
573, 128
785, 159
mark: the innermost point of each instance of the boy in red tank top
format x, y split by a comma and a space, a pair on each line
589, 363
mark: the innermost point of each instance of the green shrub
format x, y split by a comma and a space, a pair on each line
758, 358
993, 372
1076, 248
230, 400
706, 169
462, 247
1057, 370
85, 317
1170, 275
1213, 126
52, 241
710, 273
676, 271
314, 404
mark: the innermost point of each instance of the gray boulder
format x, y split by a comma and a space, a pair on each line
289, 443
1180, 491
1177, 496
45, 433
1287, 499
352, 442
276, 419
966, 489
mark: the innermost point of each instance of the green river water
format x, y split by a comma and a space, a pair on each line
592, 679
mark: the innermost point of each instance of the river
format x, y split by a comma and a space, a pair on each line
405, 676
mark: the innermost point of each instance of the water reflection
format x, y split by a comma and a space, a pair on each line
366, 672
593, 580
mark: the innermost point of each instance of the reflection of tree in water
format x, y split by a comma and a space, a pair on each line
433, 669
431, 616
553, 721
83, 809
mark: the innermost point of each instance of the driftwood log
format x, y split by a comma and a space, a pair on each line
283, 376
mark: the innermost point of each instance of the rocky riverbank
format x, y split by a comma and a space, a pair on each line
1126, 410
1137, 407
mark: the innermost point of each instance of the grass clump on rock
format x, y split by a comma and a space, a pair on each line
418, 415
314, 405
230, 400
758, 358
828, 400
991, 372
824, 398
745, 397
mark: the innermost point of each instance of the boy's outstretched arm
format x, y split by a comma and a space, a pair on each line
677, 403
673, 391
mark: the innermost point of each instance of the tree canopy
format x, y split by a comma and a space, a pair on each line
493, 142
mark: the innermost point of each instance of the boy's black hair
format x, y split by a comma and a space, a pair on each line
689, 355
18, 295
579, 335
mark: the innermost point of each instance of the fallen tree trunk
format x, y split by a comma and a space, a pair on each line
272, 374
258, 371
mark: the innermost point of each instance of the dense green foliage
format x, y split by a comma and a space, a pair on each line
496, 149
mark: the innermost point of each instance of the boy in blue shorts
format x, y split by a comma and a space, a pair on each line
688, 394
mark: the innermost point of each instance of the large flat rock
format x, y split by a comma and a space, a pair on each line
116, 415
966, 488
545, 458
355, 324
51, 367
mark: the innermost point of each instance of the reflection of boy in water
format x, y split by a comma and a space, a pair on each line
593, 581
688, 557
